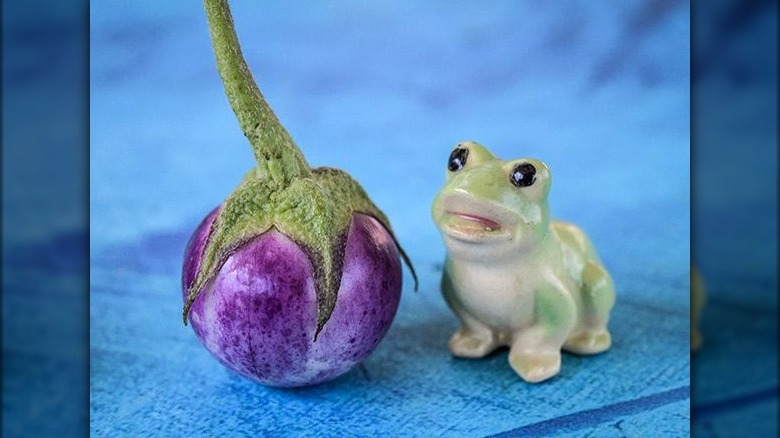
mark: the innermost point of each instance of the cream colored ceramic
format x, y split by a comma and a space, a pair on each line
512, 275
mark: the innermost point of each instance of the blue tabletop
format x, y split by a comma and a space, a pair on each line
598, 90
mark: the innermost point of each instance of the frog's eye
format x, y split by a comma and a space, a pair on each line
457, 159
523, 175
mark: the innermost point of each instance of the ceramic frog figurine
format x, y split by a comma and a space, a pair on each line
513, 276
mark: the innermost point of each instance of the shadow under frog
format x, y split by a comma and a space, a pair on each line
513, 276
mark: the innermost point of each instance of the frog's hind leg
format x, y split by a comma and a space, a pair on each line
598, 297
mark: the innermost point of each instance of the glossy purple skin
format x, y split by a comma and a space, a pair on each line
260, 315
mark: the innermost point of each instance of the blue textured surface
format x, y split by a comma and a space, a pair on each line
598, 90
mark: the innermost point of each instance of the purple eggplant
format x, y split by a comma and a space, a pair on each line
296, 277
260, 315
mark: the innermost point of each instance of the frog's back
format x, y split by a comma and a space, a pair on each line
573, 237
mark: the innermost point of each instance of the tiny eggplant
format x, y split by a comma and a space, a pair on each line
296, 277
259, 316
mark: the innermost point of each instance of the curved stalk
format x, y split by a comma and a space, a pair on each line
276, 153
313, 207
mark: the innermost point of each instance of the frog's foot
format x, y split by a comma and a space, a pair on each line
589, 342
535, 367
468, 344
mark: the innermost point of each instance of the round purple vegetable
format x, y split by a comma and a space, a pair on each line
296, 277
260, 316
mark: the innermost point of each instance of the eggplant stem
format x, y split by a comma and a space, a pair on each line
274, 149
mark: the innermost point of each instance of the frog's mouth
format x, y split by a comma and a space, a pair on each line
470, 225
466, 219
479, 221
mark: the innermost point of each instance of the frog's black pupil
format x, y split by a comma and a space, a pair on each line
523, 175
458, 159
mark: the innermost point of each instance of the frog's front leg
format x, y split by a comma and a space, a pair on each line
473, 339
535, 353
598, 297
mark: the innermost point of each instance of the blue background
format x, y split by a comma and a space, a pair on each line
597, 89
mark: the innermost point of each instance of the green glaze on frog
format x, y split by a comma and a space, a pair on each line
513, 276
313, 207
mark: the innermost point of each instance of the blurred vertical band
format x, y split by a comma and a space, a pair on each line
734, 229
44, 218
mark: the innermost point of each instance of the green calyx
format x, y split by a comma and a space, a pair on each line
313, 207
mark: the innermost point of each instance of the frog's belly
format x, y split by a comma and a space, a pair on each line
499, 298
